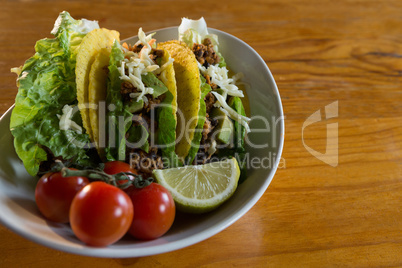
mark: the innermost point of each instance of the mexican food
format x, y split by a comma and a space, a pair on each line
126, 118
210, 100
84, 99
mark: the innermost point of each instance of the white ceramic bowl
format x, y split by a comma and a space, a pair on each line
19, 213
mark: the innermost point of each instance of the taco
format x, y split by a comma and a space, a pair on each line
140, 106
188, 101
46, 122
211, 102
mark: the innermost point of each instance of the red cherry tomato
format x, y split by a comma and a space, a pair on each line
54, 194
101, 214
114, 167
154, 211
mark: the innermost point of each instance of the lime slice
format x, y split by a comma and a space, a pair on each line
201, 188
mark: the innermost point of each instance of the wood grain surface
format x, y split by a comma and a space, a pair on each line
320, 52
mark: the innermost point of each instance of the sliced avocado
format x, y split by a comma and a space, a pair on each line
223, 131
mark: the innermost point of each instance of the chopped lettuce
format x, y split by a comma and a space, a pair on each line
46, 84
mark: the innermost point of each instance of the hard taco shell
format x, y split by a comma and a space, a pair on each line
188, 93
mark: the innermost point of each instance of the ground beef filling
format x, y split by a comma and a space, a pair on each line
208, 81
209, 102
205, 53
206, 56
126, 89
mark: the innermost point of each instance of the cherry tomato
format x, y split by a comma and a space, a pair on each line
154, 211
54, 194
114, 167
101, 214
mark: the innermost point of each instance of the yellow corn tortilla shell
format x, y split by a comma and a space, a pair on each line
188, 93
168, 78
90, 46
96, 97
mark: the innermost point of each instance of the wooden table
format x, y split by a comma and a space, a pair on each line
320, 53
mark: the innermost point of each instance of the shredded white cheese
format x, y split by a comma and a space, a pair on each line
219, 76
221, 102
65, 122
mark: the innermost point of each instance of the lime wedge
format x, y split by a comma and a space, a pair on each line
201, 188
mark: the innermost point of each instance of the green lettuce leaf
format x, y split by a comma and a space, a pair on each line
70, 32
46, 84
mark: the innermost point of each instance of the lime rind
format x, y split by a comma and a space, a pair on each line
202, 188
